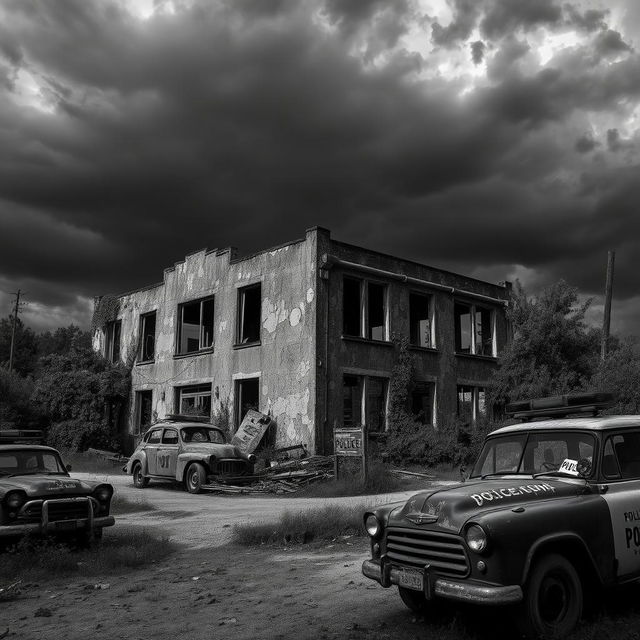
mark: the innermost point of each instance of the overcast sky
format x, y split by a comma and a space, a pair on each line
496, 138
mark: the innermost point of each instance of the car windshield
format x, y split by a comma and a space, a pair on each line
202, 434
29, 462
536, 452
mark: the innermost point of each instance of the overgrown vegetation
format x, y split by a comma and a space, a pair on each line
324, 524
44, 560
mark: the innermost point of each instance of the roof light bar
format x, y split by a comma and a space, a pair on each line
21, 436
560, 406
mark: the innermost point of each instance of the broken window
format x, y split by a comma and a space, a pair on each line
247, 397
373, 391
420, 320
112, 341
249, 303
422, 400
144, 411
195, 329
364, 309
147, 336
194, 400
351, 307
471, 403
474, 329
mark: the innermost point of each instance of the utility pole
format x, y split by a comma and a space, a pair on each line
606, 325
13, 331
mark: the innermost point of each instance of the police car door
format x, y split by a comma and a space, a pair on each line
621, 472
151, 451
168, 453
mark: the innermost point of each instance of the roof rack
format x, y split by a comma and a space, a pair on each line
178, 417
560, 406
21, 436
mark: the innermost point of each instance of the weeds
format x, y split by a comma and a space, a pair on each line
44, 559
301, 527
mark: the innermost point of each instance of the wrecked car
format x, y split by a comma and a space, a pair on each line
551, 511
188, 450
39, 497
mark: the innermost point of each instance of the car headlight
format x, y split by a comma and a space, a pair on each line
252, 459
477, 539
373, 526
15, 499
103, 493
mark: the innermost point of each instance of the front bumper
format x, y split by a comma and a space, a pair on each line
48, 526
461, 590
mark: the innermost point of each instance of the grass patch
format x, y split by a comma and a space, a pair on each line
302, 527
121, 505
44, 559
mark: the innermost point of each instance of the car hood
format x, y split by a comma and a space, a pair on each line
211, 449
44, 485
449, 508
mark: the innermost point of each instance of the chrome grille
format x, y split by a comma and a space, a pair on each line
231, 467
443, 552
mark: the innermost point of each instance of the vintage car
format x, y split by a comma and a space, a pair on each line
39, 497
550, 512
187, 450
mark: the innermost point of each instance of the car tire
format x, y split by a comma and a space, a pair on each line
195, 477
553, 597
414, 600
139, 481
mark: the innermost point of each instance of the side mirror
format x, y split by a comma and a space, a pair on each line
67, 467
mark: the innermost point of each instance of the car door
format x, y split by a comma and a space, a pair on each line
168, 453
620, 470
151, 451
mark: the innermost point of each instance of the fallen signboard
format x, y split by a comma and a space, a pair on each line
254, 426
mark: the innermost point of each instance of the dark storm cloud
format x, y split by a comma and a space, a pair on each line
242, 123
589, 20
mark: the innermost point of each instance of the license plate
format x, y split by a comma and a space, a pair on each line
411, 579
66, 526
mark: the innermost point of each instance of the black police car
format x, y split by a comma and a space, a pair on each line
550, 511
38, 496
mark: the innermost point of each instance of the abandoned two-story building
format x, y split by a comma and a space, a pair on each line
303, 332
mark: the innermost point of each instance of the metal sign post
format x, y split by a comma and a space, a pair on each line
350, 448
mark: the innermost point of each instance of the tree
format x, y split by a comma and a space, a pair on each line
620, 374
63, 340
25, 349
553, 351
82, 395
16, 410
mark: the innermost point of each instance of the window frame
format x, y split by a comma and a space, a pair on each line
608, 436
363, 386
240, 308
430, 298
364, 325
164, 433
476, 389
143, 321
202, 393
110, 340
180, 323
473, 347
428, 386
138, 417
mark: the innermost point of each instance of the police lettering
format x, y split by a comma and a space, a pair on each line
632, 535
499, 494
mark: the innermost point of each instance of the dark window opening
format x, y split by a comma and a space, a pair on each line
249, 303
170, 436
194, 400
376, 312
112, 341
247, 397
484, 332
147, 337
144, 410
422, 398
471, 403
376, 404
626, 448
419, 320
352, 401
462, 315
195, 331
155, 436
351, 307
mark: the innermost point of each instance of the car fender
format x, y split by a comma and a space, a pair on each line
141, 457
561, 539
185, 459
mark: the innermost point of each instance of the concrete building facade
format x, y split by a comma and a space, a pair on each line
304, 333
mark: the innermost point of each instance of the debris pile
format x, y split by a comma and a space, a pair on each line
282, 476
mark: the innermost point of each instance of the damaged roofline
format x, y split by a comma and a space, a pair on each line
329, 261
419, 264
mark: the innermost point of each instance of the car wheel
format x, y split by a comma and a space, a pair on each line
139, 480
196, 477
552, 599
416, 602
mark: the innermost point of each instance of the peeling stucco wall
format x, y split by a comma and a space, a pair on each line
284, 358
